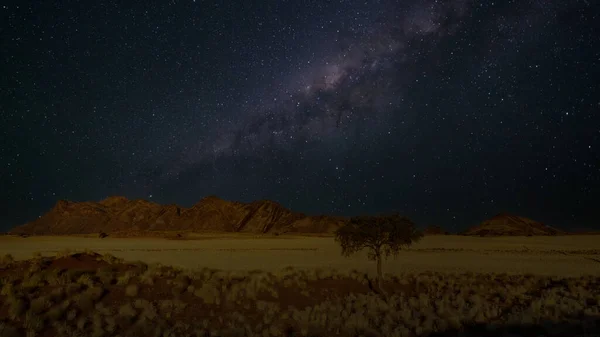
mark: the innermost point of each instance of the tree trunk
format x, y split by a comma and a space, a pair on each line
379, 272
380, 275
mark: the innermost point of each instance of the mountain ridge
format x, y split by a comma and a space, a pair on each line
119, 214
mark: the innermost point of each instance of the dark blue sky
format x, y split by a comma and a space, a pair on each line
448, 111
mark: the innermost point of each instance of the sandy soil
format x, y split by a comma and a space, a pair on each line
560, 256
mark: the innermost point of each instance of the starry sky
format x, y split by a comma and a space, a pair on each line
447, 111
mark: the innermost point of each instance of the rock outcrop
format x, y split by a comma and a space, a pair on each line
511, 225
119, 214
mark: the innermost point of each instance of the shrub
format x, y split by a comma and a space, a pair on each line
95, 293
72, 314
169, 306
141, 266
8, 289
7, 330
73, 289
101, 309
147, 308
82, 322
86, 279
18, 307
33, 281
33, 322
125, 278
111, 259
105, 276
208, 293
39, 305
182, 281
84, 302
73, 274
7, 259
127, 310
57, 312
131, 290
147, 277
54, 278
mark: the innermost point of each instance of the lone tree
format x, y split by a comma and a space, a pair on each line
381, 235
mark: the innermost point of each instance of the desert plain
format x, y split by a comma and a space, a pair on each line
571, 255
216, 284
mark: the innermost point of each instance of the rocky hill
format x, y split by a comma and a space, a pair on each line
435, 230
511, 225
119, 214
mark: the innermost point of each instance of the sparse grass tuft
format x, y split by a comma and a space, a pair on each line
86, 280
105, 276
8, 289
169, 307
127, 310
33, 322
73, 289
132, 290
64, 253
33, 281
72, 314
141, 266
17, 308
6, 260
7, 330
95, 293
54, 278
182, 281
84, 301
73, 275
39, 305
57, 312
209, 293
111, 259
148, 311
126, 277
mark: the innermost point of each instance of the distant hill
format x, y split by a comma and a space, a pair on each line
435, 230
511, 225
584, 231
119, 214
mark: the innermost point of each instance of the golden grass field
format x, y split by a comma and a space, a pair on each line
238, 286
559, 256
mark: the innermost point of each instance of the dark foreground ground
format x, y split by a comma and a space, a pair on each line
87, 294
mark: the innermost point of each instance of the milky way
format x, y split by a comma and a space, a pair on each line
349, 93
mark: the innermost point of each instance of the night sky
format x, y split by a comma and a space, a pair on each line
447, 111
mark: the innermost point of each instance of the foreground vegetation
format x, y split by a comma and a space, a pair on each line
88, 294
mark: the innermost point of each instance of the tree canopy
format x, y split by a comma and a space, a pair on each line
381, 235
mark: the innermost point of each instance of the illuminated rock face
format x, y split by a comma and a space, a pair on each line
511, 225
119, 214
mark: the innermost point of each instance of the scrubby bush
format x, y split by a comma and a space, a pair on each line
6, 260
132, 290
263, 304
